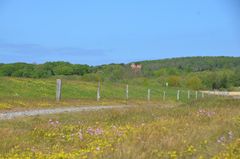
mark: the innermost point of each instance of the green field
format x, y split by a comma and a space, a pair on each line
208, 127
27, 93
198, 129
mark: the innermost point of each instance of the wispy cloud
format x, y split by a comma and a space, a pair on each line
10, 52
35, 49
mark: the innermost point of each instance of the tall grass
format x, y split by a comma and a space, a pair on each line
199, 129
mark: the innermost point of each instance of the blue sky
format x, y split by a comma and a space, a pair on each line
105, 31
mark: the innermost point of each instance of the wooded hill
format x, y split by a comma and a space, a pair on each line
194, 72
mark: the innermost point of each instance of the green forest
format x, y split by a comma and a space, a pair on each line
191, 72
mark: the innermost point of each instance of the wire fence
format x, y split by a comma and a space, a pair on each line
131, 92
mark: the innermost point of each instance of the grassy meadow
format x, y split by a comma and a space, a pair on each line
196, 129
205, 128
25, 93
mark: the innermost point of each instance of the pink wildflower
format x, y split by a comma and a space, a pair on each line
98, 131
203, 112
230, 135
90, 131
80, 135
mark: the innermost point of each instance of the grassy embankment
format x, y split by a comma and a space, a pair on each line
198, 129
23, 93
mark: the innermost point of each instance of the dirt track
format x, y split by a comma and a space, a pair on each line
11, 115
223, 93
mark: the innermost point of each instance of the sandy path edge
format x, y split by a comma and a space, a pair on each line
11, 115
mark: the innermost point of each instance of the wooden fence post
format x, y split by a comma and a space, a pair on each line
196, 94
188, 94
127, 93
202, 95
164, 95
178, 94
98, 91
149, 94
58, 90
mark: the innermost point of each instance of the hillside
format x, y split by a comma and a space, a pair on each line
193, 72
194, 64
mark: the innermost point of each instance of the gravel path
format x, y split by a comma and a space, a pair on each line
224, 93
11, 115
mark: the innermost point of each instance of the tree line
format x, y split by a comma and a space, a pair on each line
43, 70
192, 72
